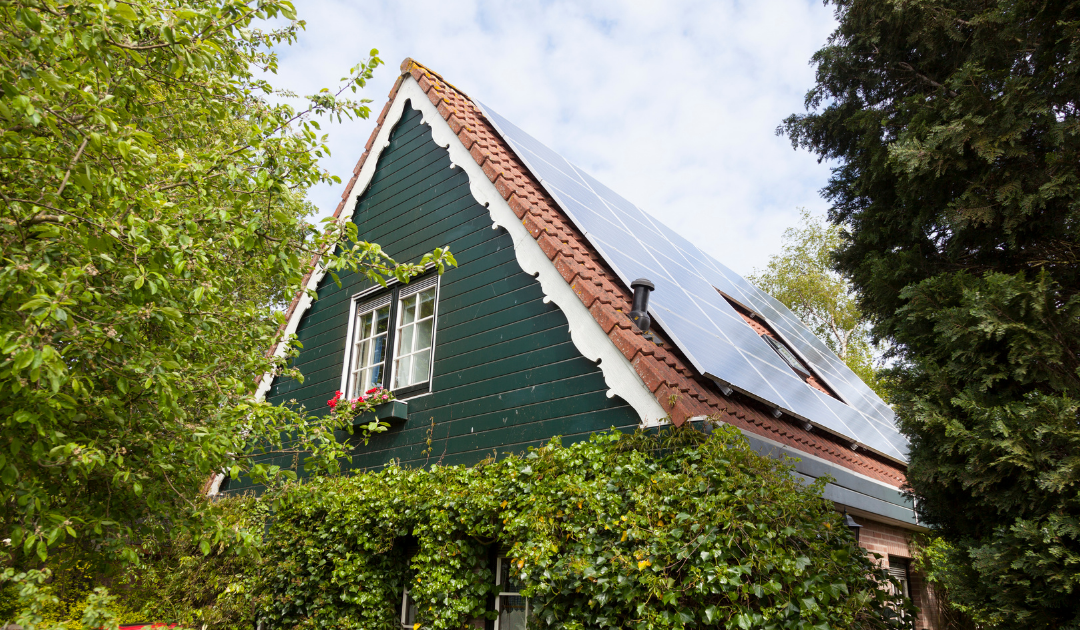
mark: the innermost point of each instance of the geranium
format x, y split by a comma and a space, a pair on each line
347, 414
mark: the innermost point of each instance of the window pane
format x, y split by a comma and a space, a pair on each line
405, 339
513, 612
380, 349
408, 310
508, 583
786, 354
383, 316
423, 334
369, 350
420, 367
402, 372
362, 350
427, 303
365, 326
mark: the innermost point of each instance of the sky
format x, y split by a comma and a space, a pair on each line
674, 105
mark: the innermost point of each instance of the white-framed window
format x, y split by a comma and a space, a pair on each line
511, 606
392, 339
371, 329
408, 610
415, 334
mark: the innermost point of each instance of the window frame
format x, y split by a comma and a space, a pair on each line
499, 593
776, 338
406, 597
374, 304
396, 291
900, 570
799, 367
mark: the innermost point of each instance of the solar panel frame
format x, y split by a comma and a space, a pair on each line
688, 306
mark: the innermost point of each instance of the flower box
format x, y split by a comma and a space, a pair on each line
388, 411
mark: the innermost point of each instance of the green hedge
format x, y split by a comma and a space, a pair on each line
622, 531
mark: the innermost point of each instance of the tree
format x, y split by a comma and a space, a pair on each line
956, 131
803, 279
152, 225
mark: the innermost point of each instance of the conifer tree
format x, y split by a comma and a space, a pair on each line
955, 127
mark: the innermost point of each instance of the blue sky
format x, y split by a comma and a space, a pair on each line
672, 104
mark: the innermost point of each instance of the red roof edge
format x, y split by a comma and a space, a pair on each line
665, 371
677, 386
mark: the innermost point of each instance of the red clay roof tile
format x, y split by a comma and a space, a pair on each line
679, 389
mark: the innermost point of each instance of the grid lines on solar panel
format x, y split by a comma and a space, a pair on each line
688, 306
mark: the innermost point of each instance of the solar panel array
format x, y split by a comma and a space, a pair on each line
688, 306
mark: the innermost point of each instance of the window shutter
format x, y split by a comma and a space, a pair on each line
898, 568
416, 287
371, 305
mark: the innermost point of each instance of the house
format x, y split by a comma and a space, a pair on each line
531, 335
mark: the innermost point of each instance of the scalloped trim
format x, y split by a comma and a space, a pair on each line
587, 335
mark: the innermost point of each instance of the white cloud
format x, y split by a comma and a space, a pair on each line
673, 105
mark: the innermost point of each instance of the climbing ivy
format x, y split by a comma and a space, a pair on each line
672, 530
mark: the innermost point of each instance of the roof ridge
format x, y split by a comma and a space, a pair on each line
409, 64
663, 370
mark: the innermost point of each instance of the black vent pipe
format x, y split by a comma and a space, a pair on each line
640, 313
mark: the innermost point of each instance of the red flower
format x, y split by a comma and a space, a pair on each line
373, 389
334, 401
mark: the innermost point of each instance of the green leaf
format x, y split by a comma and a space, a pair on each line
124, 11
23, 359
9, 474
30, 19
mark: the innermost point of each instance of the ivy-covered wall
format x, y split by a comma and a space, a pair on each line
506, 374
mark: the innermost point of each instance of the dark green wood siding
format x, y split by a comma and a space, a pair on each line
506, 374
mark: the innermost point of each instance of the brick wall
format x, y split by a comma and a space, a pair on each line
887, 540
884, 539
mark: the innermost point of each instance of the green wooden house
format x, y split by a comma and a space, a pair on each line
531, 335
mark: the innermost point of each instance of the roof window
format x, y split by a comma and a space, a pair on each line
777, 343
788, 356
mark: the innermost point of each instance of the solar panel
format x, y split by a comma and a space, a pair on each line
687, 304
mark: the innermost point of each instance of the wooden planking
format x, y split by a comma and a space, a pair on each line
506, 373
353, 283
323, 327
320, 327
469, 448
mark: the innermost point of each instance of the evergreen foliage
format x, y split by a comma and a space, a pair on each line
956, 131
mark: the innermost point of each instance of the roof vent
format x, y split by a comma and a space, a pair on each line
640, 313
